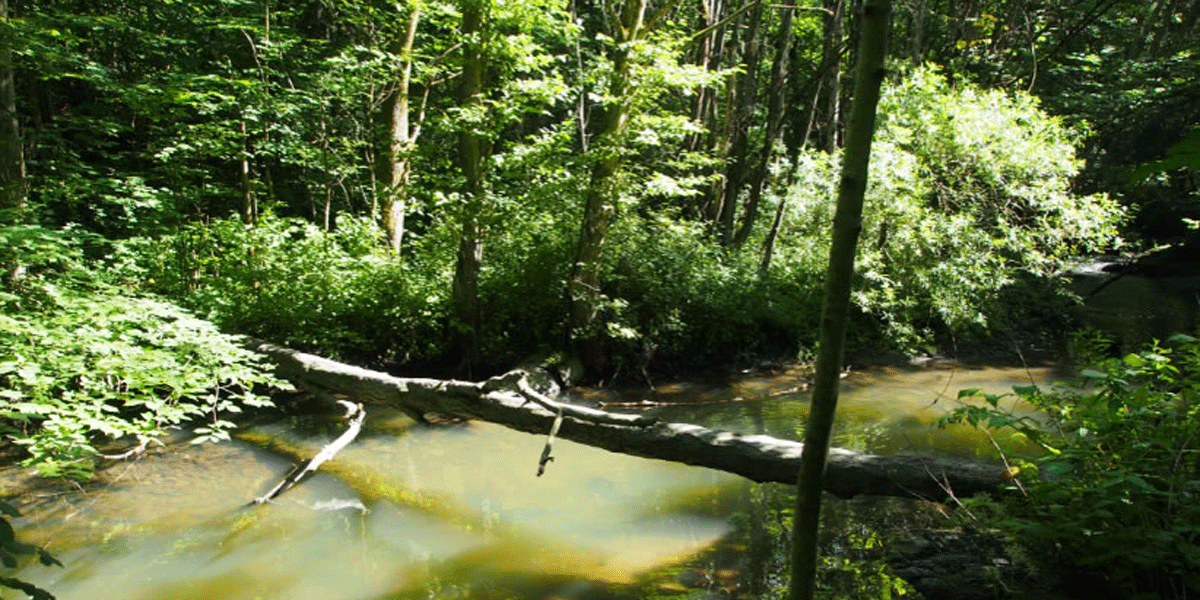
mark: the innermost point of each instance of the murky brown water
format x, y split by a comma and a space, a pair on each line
454, 512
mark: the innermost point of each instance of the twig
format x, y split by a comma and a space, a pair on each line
138, 449
1009, 471
582, 413
546, 458
944, 483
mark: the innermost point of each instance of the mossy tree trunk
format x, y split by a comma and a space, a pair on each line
402, 135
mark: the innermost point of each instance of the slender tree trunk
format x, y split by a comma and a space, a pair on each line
705, 51
583, 286
327, 211
12, 168
847, 223
715, 141
249, 206
401, 137
835, 22
764, 267
472, 151
916, 41
776, 98
741, 113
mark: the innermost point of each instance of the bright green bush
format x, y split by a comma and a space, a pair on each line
83, 365
288, 281
969, 188
691, 304
1116, 490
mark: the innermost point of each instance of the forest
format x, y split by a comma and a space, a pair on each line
629, 190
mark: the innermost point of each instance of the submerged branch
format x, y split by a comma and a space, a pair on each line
356, 415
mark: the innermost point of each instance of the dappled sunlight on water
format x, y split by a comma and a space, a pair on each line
881, 410
421, 512
176, 525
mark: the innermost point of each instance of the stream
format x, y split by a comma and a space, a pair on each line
457, 511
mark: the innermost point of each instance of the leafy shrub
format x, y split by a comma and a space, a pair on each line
692, 304
1116, 490
288, 281
521, 287
969, 188
82, 364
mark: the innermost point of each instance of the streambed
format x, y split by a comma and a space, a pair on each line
458, 511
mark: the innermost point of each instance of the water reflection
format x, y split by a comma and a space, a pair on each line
458, 511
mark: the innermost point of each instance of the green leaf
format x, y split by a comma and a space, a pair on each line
1135, 361
1026, 390
968, 393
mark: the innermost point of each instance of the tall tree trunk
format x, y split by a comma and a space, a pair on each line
764, 267
583, 286
249, 205
401, 137
706, 55
916, 40
12, 171
835, 21
472, 151
776, 98
847, 223
327, 211
741, 113
708, 102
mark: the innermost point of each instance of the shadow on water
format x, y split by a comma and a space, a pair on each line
454, 512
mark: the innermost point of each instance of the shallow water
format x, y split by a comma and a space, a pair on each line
411, 511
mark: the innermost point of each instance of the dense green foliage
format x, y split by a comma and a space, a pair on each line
175, 165
85, 365
1112, 498
958, 212
971, 189
268, 114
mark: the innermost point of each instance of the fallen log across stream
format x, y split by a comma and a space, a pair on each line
508, 400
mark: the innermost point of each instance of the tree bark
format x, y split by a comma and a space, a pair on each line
401, 137
764, 266
472, 151
741, 113
776, 99
835, 22
12, 180
583, 285
249, 205
847, 223
759, 458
